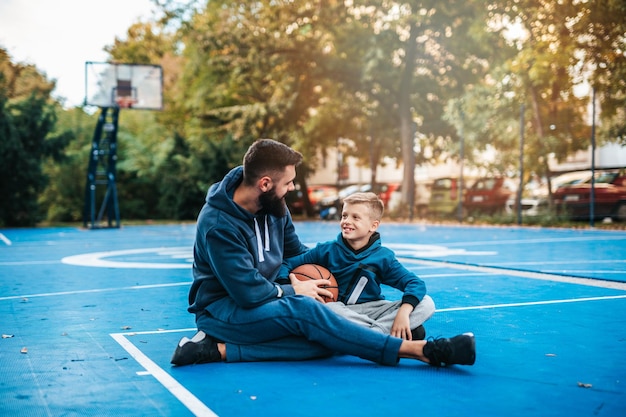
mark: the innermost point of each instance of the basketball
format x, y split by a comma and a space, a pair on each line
312, 271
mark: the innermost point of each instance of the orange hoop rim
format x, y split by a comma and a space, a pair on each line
125, 102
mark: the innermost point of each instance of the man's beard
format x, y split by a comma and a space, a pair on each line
272, 204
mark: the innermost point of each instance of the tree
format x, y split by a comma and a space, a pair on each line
262, 70
63, 198
539, 68
27, 116
420, 56
601, 33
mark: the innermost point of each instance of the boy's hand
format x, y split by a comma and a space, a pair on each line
401, 326
312, 288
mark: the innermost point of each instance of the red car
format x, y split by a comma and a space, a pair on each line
488, 195
386, 190
609, 197
295, 199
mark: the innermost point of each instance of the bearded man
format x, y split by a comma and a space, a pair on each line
243, 312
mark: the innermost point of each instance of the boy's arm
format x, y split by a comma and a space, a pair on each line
399, 277
401, 326
291, 263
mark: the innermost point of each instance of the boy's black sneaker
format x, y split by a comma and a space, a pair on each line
199, 349
459, 350
419, 333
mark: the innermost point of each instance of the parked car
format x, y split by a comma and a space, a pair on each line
535, 198
570, 178
609, 197
330, 207
318, 192
488, 195
386, 191
531, 206
422, 197
295, 198
444, 196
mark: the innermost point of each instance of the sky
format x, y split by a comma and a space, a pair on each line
59, 36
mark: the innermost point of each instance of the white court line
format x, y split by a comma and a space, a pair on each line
534, 241
468, 274
189, 400
199, 408
533, 303
5, 239
583, 271
28, 263
134, 287
565, 261
524, 274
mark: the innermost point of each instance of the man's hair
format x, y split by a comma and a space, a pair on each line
374, 204
268, 157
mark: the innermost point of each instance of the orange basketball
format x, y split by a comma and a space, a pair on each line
313, 271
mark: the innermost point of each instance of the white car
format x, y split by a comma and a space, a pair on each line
535, 198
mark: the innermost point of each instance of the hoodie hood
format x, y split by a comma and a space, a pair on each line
220, 195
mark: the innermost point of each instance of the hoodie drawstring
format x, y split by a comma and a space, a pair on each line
259, 243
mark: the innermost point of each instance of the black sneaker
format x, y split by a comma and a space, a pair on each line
199, 349
459, 350
419, 333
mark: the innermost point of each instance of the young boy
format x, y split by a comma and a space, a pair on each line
361, 264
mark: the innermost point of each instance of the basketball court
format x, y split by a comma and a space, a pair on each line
90, 319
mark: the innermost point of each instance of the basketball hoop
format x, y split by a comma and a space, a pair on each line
125, 102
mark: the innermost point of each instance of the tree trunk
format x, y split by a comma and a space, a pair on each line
407, 135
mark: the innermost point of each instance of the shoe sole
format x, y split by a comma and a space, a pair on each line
473, 346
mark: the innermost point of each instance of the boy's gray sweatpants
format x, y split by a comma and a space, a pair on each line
379, 315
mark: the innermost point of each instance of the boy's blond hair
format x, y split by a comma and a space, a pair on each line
374, 204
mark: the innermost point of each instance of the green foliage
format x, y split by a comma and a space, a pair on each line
539, 70
64, 196
399, 79
601, 30
181, 196
26, 120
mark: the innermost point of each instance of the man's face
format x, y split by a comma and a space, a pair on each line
273, 200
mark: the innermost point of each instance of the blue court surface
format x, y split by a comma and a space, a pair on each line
90, 319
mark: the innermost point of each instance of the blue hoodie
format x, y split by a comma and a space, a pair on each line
238, 254
359, 274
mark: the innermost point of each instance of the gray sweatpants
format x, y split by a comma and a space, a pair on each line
379, 315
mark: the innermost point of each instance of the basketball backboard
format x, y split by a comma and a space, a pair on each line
134, 86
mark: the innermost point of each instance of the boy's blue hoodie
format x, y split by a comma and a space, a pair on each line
238, 254
361, 273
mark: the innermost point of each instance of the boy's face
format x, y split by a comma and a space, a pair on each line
356, 222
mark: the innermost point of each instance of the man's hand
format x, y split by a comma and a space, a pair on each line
312, 288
